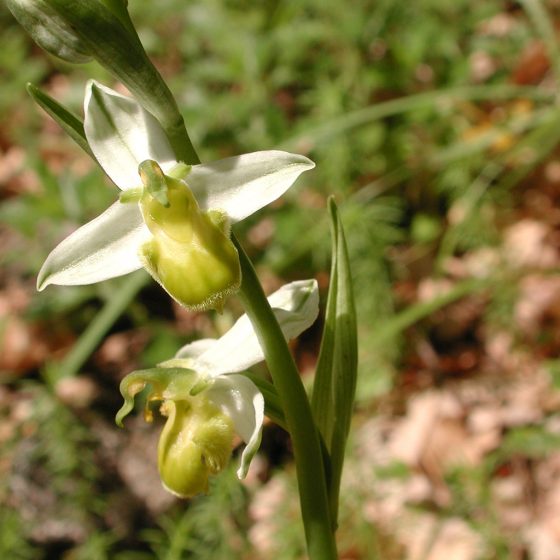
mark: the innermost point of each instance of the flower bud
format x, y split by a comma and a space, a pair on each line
190, 253
49, 30
195, 443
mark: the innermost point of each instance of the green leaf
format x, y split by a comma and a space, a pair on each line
69, 121
335, 380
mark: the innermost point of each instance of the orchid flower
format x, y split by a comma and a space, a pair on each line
172, 219
206, 399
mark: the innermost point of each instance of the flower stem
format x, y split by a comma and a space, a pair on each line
321, 544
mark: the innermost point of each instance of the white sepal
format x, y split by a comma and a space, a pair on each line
243, 184
122, 134
296, 306
104, 248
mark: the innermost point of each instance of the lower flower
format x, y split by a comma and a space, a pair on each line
203, 416
207, 400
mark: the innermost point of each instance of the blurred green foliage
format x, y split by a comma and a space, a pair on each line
417, 119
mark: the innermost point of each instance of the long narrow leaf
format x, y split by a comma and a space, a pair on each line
69, 121
322, 402
335, 380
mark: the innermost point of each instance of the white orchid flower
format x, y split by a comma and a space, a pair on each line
171, 219
206, 399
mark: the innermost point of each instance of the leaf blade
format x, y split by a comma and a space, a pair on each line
335, 380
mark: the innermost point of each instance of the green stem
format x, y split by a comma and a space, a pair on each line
308, 455
321, 544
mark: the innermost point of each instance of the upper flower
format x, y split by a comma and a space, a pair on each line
205, 398
171, 219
